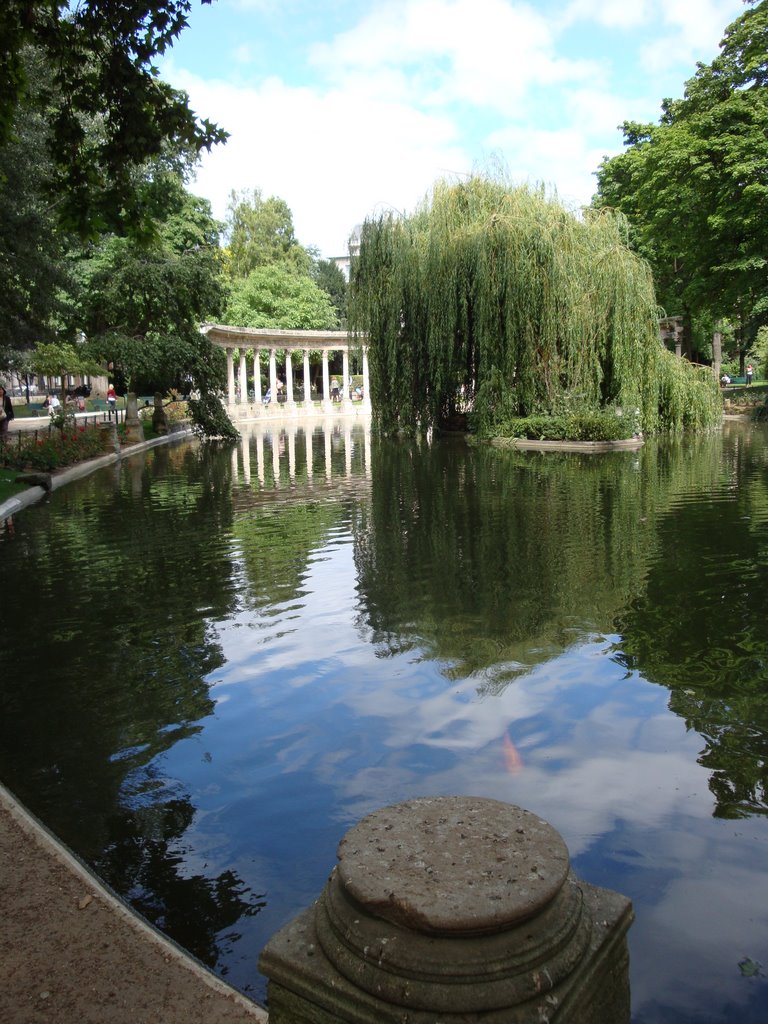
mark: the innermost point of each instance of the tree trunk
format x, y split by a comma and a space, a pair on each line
717, 351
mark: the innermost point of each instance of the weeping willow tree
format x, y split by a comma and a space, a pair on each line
499, 298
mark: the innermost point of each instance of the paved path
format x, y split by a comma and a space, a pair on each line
73, 953
43, 422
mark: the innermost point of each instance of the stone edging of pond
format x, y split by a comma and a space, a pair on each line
593, 447
81, 469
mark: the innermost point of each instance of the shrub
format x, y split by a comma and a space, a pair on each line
54, 450
586, 425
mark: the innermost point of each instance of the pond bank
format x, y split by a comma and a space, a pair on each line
72, 951
64, 476
526, 444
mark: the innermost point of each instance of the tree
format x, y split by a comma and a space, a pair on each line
141, 304
695, 186
260, 232
107, 110
33, 272
498, 296
277, 295
59, 359
330, 278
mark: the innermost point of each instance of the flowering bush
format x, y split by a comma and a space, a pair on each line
51, 449
177, 412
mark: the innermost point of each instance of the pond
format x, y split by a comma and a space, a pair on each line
215, 661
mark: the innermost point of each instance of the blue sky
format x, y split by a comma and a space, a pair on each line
345, 109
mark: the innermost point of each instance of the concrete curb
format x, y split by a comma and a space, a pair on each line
590, 447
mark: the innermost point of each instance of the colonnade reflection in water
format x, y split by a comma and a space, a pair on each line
272, 456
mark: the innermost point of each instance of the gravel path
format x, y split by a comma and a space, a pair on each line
72, 953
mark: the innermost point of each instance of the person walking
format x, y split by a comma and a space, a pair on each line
111, 401
6, 412
750, 371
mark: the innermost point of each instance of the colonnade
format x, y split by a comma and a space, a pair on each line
266, 400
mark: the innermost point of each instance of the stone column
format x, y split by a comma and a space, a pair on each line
256, 377
273, 375
366, 385
134, 431
230, 378
717, 352
453, 909
346, 395
307, 382
159, 418
289, 380
243, 379
327, 407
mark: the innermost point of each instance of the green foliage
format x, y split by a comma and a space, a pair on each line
141, 304
330, 278
694, 186
106, 109
259, 232
688, 396
498, 298
210, 417
33, 274
276, 295
58, 359
597, 425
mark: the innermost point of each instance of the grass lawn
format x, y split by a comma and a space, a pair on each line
7, 487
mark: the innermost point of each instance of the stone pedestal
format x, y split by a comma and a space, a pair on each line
453, 909
159, 418
134, 432
109, 441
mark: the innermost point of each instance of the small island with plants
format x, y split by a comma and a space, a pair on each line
493, 308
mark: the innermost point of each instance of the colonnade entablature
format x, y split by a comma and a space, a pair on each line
277, 397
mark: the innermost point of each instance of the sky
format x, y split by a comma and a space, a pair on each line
350, 108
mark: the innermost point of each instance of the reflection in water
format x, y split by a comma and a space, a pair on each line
221, 659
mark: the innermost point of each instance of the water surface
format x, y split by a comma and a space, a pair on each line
217, 661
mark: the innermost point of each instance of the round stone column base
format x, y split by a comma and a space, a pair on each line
453, 909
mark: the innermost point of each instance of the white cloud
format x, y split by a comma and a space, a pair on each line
333, 157
488, 53
684, 31
627, 14
416, 90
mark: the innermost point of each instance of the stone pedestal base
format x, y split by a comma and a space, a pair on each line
448, 911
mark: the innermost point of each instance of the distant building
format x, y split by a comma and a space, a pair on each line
344, 263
